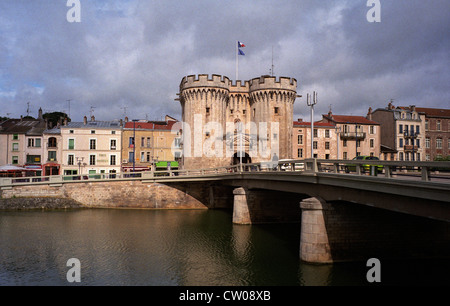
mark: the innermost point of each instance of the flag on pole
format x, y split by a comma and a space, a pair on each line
239, 52
240, 45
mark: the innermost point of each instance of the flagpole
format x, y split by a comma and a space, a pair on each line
237, 60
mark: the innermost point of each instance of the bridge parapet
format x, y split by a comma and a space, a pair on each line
438, 172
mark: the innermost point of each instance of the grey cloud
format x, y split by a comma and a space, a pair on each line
134, 53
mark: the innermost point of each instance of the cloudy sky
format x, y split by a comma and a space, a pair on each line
129, 56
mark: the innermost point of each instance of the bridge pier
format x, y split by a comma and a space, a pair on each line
257, 206
241, 214
314, 244
338, 231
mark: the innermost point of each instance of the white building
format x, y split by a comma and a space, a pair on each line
91, 147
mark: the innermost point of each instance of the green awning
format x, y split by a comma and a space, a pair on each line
164, 164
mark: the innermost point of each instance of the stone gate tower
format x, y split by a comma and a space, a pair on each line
225, 123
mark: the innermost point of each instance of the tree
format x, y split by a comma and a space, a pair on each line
53, 118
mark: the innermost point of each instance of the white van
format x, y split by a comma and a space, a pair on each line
286, 165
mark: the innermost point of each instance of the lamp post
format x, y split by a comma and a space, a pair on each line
356, 139
79, 163
311, 104
337, 131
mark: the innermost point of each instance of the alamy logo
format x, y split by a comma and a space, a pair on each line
74, 13
374, 14
374, 273
212, 139
74, 273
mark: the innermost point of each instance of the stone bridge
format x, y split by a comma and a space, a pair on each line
401, 211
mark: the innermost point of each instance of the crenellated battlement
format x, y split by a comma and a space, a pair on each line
223, 82
238, 87
271, 83
204, 80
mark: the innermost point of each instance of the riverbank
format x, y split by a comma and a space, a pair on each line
38, 203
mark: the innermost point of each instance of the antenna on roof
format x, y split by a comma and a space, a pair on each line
271, 70
124, 111
28, 108
91, 110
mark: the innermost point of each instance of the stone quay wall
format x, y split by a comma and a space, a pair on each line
118, 194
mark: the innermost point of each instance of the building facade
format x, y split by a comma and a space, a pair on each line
357, 135
91, 147
226, 123
147, 144
324, 142
52, 157
21, 141
402, 132
437, 132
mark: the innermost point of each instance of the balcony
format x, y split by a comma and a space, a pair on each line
353, 135
410, 148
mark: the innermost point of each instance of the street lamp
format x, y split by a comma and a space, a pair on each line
79, 163
356, 139
311, 104
337, 131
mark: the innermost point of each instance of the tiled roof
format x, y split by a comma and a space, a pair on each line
350, 119
54, 130
318, 124
18, 126
434, 112
93, 125
150, 125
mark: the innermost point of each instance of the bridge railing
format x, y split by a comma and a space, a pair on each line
389, 169
425, 171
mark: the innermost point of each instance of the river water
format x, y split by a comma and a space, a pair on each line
174, 248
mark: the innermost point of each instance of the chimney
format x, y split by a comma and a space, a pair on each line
369, 114
412, 107
300, 120
85, 120
121, 122
92, 118
40, 114
65, 121
126, 119
390, 106
330, 114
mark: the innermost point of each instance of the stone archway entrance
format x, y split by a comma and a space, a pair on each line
246, 159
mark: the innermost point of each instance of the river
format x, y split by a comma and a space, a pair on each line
174, 248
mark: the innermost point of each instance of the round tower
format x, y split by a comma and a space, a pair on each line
204, 104
272, 100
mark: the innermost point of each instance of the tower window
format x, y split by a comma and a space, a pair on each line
207, 110
277, 110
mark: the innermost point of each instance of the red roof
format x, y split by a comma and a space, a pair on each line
160, 125
318, 124
350, 119
434, 112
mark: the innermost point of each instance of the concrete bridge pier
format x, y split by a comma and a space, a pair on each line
314, 243
241, 214
337, 231
258, 206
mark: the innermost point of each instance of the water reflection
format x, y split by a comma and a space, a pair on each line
144, 247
